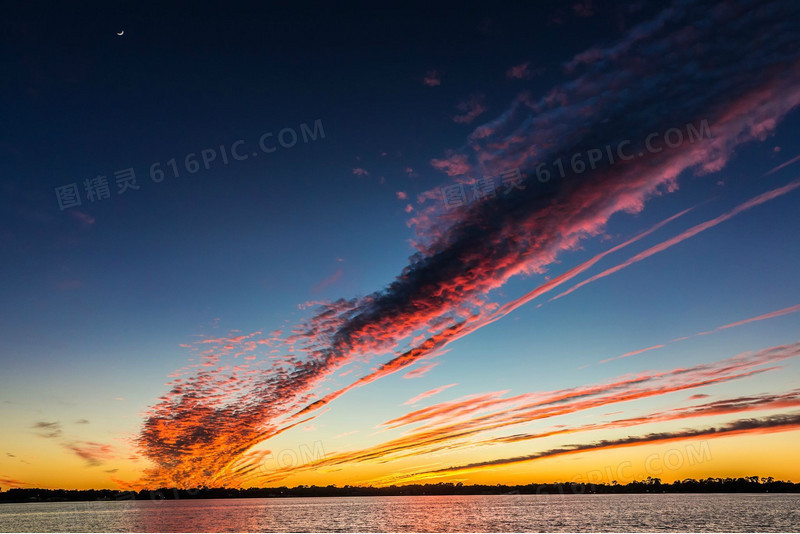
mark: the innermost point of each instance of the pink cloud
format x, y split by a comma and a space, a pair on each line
782, 165
420, 371
632, 353
429, 393
770, 315
84, 218
452, 165
471, 109
433, 78
332, 279
93, 453
520, 72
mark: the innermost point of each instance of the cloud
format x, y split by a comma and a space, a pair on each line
762, 317
428, 393
722, 407
93, 453
533, 407
84, 218
82, 422
691, 232
471, 109
632, 353
645, 82
47, 429
765, 316
453, 164
781, 166
777, 423
332, 279
12, 482
420, 371
433, 78
521, 72
457, 423
551, 284
46, 425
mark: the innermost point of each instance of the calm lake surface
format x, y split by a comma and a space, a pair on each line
490, 513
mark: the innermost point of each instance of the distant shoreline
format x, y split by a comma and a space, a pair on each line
710, 485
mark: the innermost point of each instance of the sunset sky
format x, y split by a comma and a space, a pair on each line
553, 243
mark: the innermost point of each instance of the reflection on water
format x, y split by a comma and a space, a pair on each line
489, 513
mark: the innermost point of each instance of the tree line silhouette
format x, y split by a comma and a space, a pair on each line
751, 484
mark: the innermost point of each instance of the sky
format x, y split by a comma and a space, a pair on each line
266, 245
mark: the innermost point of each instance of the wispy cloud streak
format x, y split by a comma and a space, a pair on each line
429, 393
691, 232
632, 353
762, 317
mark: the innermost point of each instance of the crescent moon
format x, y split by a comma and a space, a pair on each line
120, 33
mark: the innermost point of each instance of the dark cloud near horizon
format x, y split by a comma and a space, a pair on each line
47, 429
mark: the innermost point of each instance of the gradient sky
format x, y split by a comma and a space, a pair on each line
318, 315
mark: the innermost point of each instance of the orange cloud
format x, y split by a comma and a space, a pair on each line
454, 424
12, 482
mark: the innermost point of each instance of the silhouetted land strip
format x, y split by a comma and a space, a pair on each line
651, 485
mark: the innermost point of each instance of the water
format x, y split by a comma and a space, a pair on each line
490, 513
